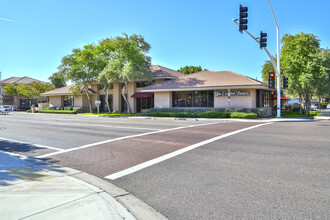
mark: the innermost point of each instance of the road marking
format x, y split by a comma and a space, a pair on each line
176, 153
99, 118
121, 138
89, 125
36, 145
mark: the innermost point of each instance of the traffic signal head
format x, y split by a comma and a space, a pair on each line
243, 18
271, 80
263, 39
285, 82
273, 92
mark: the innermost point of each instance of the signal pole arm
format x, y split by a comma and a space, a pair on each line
270, 56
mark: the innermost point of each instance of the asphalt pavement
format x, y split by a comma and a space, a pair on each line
278, 171
188, 169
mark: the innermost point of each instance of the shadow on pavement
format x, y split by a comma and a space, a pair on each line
23, 149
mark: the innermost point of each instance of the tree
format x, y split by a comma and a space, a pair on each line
190, 69
304, 63
58, 80
266, 69
12, 89
36, 88
106, 50
300, 64
33, 89
82, 67
129, 62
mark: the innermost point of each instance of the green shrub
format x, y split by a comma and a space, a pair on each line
69, 108
243, 115
77, 109
58, 111
324, 104
115, 112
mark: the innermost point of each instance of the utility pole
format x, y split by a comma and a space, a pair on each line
260, 42
278, 69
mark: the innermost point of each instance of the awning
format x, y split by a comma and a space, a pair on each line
142, 95
275, 98
282, 98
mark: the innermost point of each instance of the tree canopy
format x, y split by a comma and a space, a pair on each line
305, 64
120, 59
129, 62
58, 80
190, 69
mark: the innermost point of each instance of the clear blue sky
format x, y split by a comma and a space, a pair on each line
36, 34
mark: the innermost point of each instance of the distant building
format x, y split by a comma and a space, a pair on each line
18, 100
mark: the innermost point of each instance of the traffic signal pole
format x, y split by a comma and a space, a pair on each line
264, 48
278, 69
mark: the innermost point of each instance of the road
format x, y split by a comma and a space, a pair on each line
190, 169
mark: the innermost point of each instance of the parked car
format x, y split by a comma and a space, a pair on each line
7, 108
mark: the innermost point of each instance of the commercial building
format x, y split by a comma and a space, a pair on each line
18, 101
172, 89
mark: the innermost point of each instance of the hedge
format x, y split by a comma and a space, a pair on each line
208, 114
260, 112
58, 111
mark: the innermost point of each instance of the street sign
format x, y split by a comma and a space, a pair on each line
98, 103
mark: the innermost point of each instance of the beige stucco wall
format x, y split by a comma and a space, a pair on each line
236, 101
56, 101
116, 91
78, 101
163, 99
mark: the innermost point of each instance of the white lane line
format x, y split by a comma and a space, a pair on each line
175, 153
36, 145
89, 125
121, 138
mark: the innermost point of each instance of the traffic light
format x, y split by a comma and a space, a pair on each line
263, 40
285, 82
273, 92
242, 18
271, 80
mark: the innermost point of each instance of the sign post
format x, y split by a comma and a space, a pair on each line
98, 103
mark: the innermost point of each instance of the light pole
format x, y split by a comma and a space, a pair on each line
278, 69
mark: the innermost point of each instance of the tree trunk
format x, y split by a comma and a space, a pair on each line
89, 100
300, 103
106, 95
126, 100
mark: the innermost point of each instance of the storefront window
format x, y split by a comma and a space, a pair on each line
189, 99
197, 99
144, 103
68, 100
181, 99
193, 99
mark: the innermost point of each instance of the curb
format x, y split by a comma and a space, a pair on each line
127, 205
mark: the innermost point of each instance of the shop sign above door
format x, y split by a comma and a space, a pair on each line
232, 93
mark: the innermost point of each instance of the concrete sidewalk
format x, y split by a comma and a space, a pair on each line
325, 114
33, 189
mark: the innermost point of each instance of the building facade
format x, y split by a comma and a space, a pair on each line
172, 89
